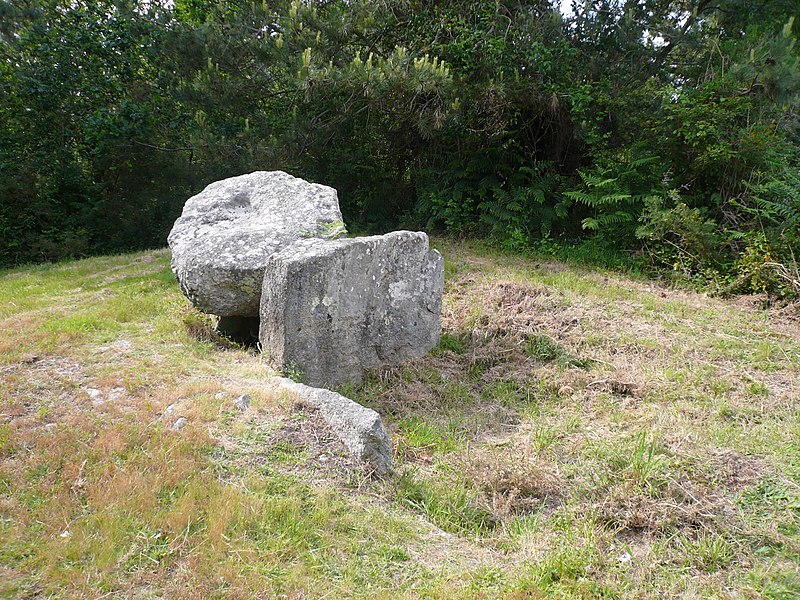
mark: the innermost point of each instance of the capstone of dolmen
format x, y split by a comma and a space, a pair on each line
227, 232
330, 310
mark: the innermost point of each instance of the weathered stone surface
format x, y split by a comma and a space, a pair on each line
226, 233
333, 309
360, 428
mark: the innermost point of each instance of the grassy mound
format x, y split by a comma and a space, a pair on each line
575, 434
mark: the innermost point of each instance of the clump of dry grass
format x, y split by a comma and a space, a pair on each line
676, 507
639, 484
513, 480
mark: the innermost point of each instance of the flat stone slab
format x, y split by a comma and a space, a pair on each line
330, 310
221, 242
360, 428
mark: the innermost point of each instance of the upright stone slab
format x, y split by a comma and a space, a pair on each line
221, 242
332, 309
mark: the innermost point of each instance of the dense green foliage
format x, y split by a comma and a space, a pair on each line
667, 128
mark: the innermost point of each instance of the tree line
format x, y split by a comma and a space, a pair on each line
666, 131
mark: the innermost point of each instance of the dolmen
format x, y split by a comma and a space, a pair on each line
269, 247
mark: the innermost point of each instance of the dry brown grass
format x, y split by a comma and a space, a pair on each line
512, 478
547, 378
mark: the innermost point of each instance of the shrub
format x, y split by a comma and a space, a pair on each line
678, 237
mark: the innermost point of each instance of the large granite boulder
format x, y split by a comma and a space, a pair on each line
222, 241
330, 310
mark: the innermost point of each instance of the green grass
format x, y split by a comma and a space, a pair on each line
449, 343
424, 436
454, 508
546, 349
576, 433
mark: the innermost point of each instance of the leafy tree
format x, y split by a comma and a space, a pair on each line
91, 163
502, 118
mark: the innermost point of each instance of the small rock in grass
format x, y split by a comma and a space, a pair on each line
242, 403
358, 427
169, 410
122, 344
179, 424
96, 396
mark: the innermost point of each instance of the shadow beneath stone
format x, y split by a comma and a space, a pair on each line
242, 330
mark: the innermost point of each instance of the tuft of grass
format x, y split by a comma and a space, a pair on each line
566, 568
203, 328
705, 551
454, 508
644, 463
449, 343
546, 349
419, 436
512, 480
287, 453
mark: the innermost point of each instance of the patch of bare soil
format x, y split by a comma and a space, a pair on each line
305, 429
439, 550
40, 389
735, 471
